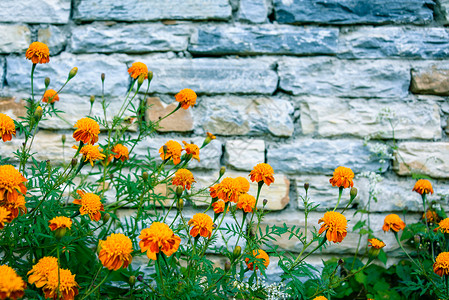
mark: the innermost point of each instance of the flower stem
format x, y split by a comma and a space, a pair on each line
93, 290
340, 191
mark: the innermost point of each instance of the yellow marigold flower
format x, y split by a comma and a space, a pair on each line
4, 217
116, 251
186, 98
202, 225
121, 152
60, 222
90, 204
219, 206
247, 203
243, 184
87, 131
192, 149
320, 298
50, 96
431, 216
262, 172
38, 53
38, 275
335, 225
184, 178
342, 177
68, 287
210, 136
159, 237
393, 222
376, 244
138, 69
441, 265
7, 127
423, 186
228, 190
443, 226
12, 285
16, 207
11, 184
258, 254
173, 152
91, 153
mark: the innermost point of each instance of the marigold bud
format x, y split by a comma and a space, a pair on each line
150, 75
353, 193
47, 82
265, 201
306, 186
73, 72
106, 217
165, 149
222, 170
99, 246
132, 280
103, 76
140, 79
180, 204
179, 191
417, 238
145, 176
63, 138
74, 162
237, 251
227, 266
140, 278
38, 113
48, 165
92, 99
60, 232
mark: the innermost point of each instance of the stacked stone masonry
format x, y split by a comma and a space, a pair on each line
303, 85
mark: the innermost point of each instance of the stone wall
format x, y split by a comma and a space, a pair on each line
298, 84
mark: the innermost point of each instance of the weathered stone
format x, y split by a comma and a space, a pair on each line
264, 39
253, 11
133, 38
12, 108
361, 117
230, 115
246, 76
2, 73
431, 159
433, 81
54, 37
14, 38
354, 12
322, 156
28, 11
180, 121
442, 14
327, 76
123, 10
87, 82
244, 154
380, 42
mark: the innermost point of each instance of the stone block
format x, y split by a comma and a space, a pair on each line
180, 121
354, 12
55, 37
151, 10
433, 80
129, 38
430, 159
14, 38
12, 107
244, 154
328, 76
28, 11
263, 39
252, 11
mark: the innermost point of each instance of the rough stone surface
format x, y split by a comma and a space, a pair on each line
433, 81
133, 38
12, 107
28, 11
87, 81
413, 119
264, 39
327, 76
54, 36
2, 74
431, 159
321, 156
123, 10
230, 115
14, 38
244, 154
180, 121
380, 42
252, 11
354, 12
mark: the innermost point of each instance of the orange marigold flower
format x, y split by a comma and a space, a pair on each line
184, 178
12, 285
7, 127
243, 184
247, 203
342, 177
90, 204
219, 206
11, 184
320, 298
423, 186
335, 225
116, 251
262, 172
50, 96
121, 152
258, 254
186, 98
192, 149
38, 275
159, 237
228, 190
38, 53
138, 69
16, 207
443, 226
87, 131
202, 225
68, 287
210, 136
431, 216
173, 152
393, 222
441, 265
60, 222
4, 217
91, 153
376, 244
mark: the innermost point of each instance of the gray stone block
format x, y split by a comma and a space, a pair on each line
54, 36
354, 11
2, 73
29, 11
14, 38
252, 11
244, 154
264, 39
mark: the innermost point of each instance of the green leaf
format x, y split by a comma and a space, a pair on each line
382, 257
